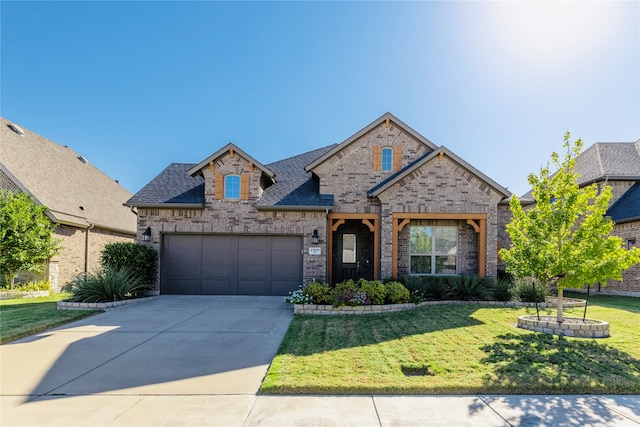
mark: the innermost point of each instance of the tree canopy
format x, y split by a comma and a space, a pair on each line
565, 238
26, 235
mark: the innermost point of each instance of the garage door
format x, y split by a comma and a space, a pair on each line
230, 264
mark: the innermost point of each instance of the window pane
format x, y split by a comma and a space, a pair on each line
446, 264
420, 265
421, 238
232, 187
349, 248
387, 159
446, 240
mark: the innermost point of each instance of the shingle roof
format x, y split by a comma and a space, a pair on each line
173, 185
75, 191
614, 161
627, 207
609, 160
293, 187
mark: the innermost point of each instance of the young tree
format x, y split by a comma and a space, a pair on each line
26, 240
565, 239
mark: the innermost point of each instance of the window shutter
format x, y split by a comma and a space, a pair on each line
377, 157
397, 157
218, 186
244, 186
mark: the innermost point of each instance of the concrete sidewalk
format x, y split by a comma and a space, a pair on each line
309, 411
199, 361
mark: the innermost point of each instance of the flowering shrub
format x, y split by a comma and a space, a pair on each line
298, 297
350, 293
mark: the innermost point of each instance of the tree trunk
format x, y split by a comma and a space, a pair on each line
560, 317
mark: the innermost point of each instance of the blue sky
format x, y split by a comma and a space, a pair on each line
134, 86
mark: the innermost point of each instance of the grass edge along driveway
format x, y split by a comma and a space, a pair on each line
457, 349
20, 318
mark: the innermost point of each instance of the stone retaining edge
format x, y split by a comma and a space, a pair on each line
104, 306
321, 309
16, 295
577, 330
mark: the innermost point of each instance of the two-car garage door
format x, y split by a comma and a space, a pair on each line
213, 264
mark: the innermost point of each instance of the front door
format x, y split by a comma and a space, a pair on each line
352, 252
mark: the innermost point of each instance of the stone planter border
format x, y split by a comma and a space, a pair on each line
16, 295
596, 329
329, 310
104, 306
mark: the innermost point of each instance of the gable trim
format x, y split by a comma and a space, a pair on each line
232, 150
365, 130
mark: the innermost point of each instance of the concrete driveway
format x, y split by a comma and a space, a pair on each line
168, 346
199, 361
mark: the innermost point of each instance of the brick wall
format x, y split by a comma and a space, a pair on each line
631, 277
70, 261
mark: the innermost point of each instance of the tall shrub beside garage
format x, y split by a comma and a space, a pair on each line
141, 260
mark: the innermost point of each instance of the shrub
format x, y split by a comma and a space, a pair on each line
32, 286
107, 285
469, 288
397, 293
298, 297
138, 258
429, 287
502, 290
524, 290
344, 293
375, 290
320, 293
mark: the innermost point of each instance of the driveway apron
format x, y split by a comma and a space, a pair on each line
191, 345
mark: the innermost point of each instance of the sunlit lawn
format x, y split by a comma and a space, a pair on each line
27, 316
457, 349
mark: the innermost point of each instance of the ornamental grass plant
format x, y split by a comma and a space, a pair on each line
109, 284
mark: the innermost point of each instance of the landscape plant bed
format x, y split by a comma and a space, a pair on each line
104, 306
457, 349
324, 309
570, 326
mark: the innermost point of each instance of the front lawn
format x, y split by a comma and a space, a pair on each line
457, 349
27, 316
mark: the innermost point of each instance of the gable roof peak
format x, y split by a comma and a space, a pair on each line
386, 119
234, 149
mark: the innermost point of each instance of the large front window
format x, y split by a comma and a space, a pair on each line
434, 250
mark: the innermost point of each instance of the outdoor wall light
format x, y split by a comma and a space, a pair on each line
315, 239
146, 235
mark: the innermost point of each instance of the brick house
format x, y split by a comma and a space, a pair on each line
616, 164
385, 202
85, 204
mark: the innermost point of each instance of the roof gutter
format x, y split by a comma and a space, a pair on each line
167, 205
304, 208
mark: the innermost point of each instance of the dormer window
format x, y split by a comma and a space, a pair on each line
232, 187
387, 159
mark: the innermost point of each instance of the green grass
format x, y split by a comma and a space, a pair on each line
457, 349
23, 317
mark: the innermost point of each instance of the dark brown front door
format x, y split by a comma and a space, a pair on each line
352, 252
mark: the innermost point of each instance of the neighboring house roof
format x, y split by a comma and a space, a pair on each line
74, 191
224, 150
174, 186
609, 161
336, 148
393, 179
612, 161
627, 207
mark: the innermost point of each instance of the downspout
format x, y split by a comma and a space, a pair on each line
86, 248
